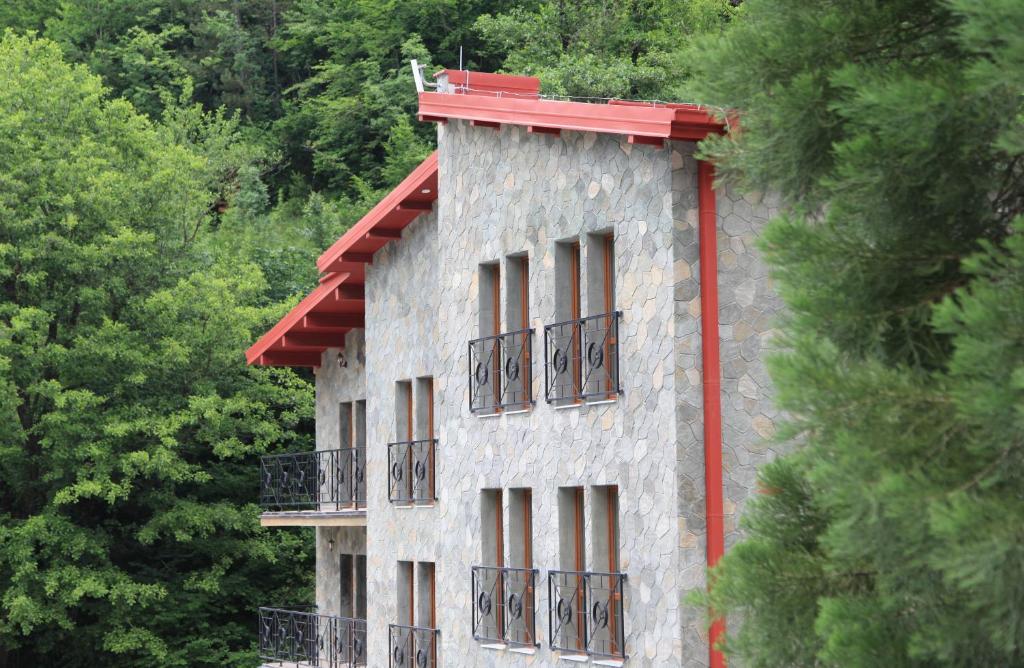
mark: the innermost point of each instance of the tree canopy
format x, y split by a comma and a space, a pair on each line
169, 171
893, 533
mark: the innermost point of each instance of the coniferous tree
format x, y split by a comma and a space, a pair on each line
894, 533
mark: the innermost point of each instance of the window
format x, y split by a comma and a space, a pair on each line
605, 587
411, 455
353, 586
490, 299
520, 583
346, 426
587, 608
413, 640
406, 590
582, 353
516, 345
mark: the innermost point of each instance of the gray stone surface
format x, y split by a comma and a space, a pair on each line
507, 192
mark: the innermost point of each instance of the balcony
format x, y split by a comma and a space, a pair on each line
581, 360
500, 377
411, 472
321, 488
585, 614
412, 646
504, 606
301, 639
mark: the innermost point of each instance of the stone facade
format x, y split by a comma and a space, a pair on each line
507, 192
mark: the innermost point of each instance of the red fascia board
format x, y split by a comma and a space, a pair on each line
293, 318
647, 120
488, 83
387, 214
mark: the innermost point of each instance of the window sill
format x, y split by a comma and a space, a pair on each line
529, 651
575, 658
494, 646
410, 506
614, 663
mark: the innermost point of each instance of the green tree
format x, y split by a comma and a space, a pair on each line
894, 534
128, 531
598, 48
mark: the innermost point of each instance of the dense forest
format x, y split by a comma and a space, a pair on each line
169, 170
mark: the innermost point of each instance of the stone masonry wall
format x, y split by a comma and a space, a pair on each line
505, 192
336, 385
747, 309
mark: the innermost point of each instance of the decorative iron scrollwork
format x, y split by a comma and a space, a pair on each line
313, 480
499, 371
581, 359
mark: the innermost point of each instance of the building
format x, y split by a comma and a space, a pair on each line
519, 460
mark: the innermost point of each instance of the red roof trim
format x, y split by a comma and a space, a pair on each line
294, 317
395, 211
666, 121
337, 305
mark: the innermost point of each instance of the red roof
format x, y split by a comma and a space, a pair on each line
337, 305
322, 319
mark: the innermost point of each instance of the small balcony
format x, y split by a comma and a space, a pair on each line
586, 614
320, 488
412, 646
411, 472
500, 377
504, 606
581, 360
296, 638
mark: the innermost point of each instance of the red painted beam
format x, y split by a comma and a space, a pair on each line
313, 339
334, 320
542, 130
427, 118
350, 292
384, 234
289, 358
418, 207
485, 124
712, 366
350, 256
649, 141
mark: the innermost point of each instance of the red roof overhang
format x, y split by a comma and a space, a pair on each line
413, 196
642, 122
337, 305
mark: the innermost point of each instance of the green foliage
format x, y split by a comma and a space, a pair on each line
127, 525
893, 535
597, 48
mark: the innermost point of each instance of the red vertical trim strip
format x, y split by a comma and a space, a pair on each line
711, 360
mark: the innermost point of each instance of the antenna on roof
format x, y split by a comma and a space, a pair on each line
460, 56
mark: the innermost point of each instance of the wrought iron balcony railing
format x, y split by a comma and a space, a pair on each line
504, 605
500, 372
412, 646
324, 480
303, 638
585, 613
411, 471
581, 359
